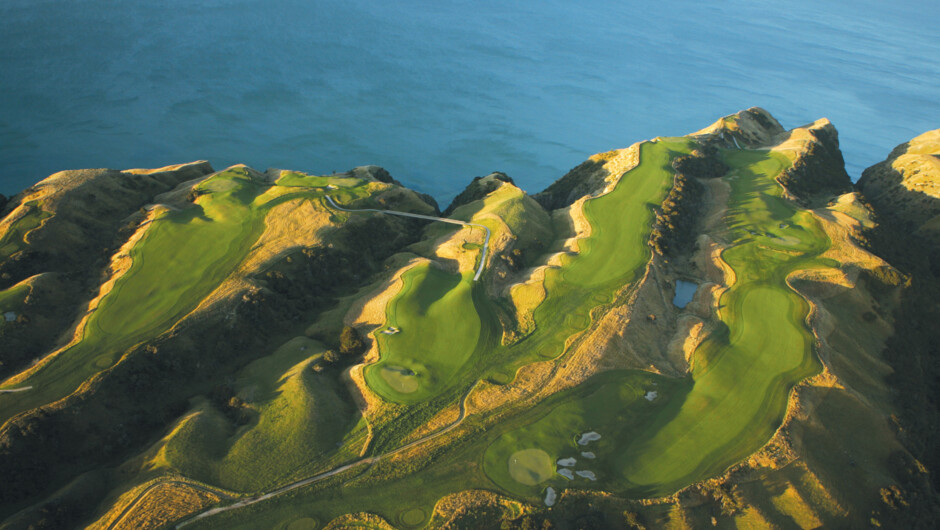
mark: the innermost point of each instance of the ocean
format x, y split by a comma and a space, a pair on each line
438, 92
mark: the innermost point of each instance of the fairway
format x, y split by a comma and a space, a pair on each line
740, 379
182, 257
613, 255
737, 394
440, 328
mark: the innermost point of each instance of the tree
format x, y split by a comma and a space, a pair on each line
331, 356
350, 342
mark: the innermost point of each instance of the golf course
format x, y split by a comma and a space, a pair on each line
645, 343
183, 255
440, 329
613, 255
736, 395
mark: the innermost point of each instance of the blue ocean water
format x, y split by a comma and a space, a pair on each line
441, 91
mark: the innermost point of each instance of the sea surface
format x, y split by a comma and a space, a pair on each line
441, 91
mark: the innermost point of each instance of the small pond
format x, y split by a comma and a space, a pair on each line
684, 293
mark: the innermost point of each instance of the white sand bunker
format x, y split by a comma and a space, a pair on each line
588, 437
9, 316
587, 454
567, 462
586, 474
550, 496
567, 473
651, 395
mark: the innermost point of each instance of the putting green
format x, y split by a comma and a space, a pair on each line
412, 517
440, 329
401, 379
530, 466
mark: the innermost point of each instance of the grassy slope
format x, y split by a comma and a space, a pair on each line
14, 240
299, 416
13, 298
613, 255
182, 258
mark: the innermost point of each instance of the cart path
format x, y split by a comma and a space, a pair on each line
486, 241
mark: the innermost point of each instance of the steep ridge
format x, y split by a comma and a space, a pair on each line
64, 229
257, 229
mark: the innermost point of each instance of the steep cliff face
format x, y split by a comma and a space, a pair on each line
906, 186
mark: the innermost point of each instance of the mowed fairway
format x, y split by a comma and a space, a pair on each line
440, 329
740, 379
183, 256
613, 255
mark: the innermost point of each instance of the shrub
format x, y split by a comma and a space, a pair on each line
350, 342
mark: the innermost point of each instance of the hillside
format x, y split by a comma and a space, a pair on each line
690, 331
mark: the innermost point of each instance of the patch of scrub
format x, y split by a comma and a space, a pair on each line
651, 395
567, 462
550, 496
9, 316
586, 474
567, 473
588, 454
588, 437
684, 293
530, 466
403, 380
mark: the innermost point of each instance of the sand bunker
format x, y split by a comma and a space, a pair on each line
9, 316
550, 496
567, 462
651, 395
586, 474
567, 473
530, 466
588, 437
587, 454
